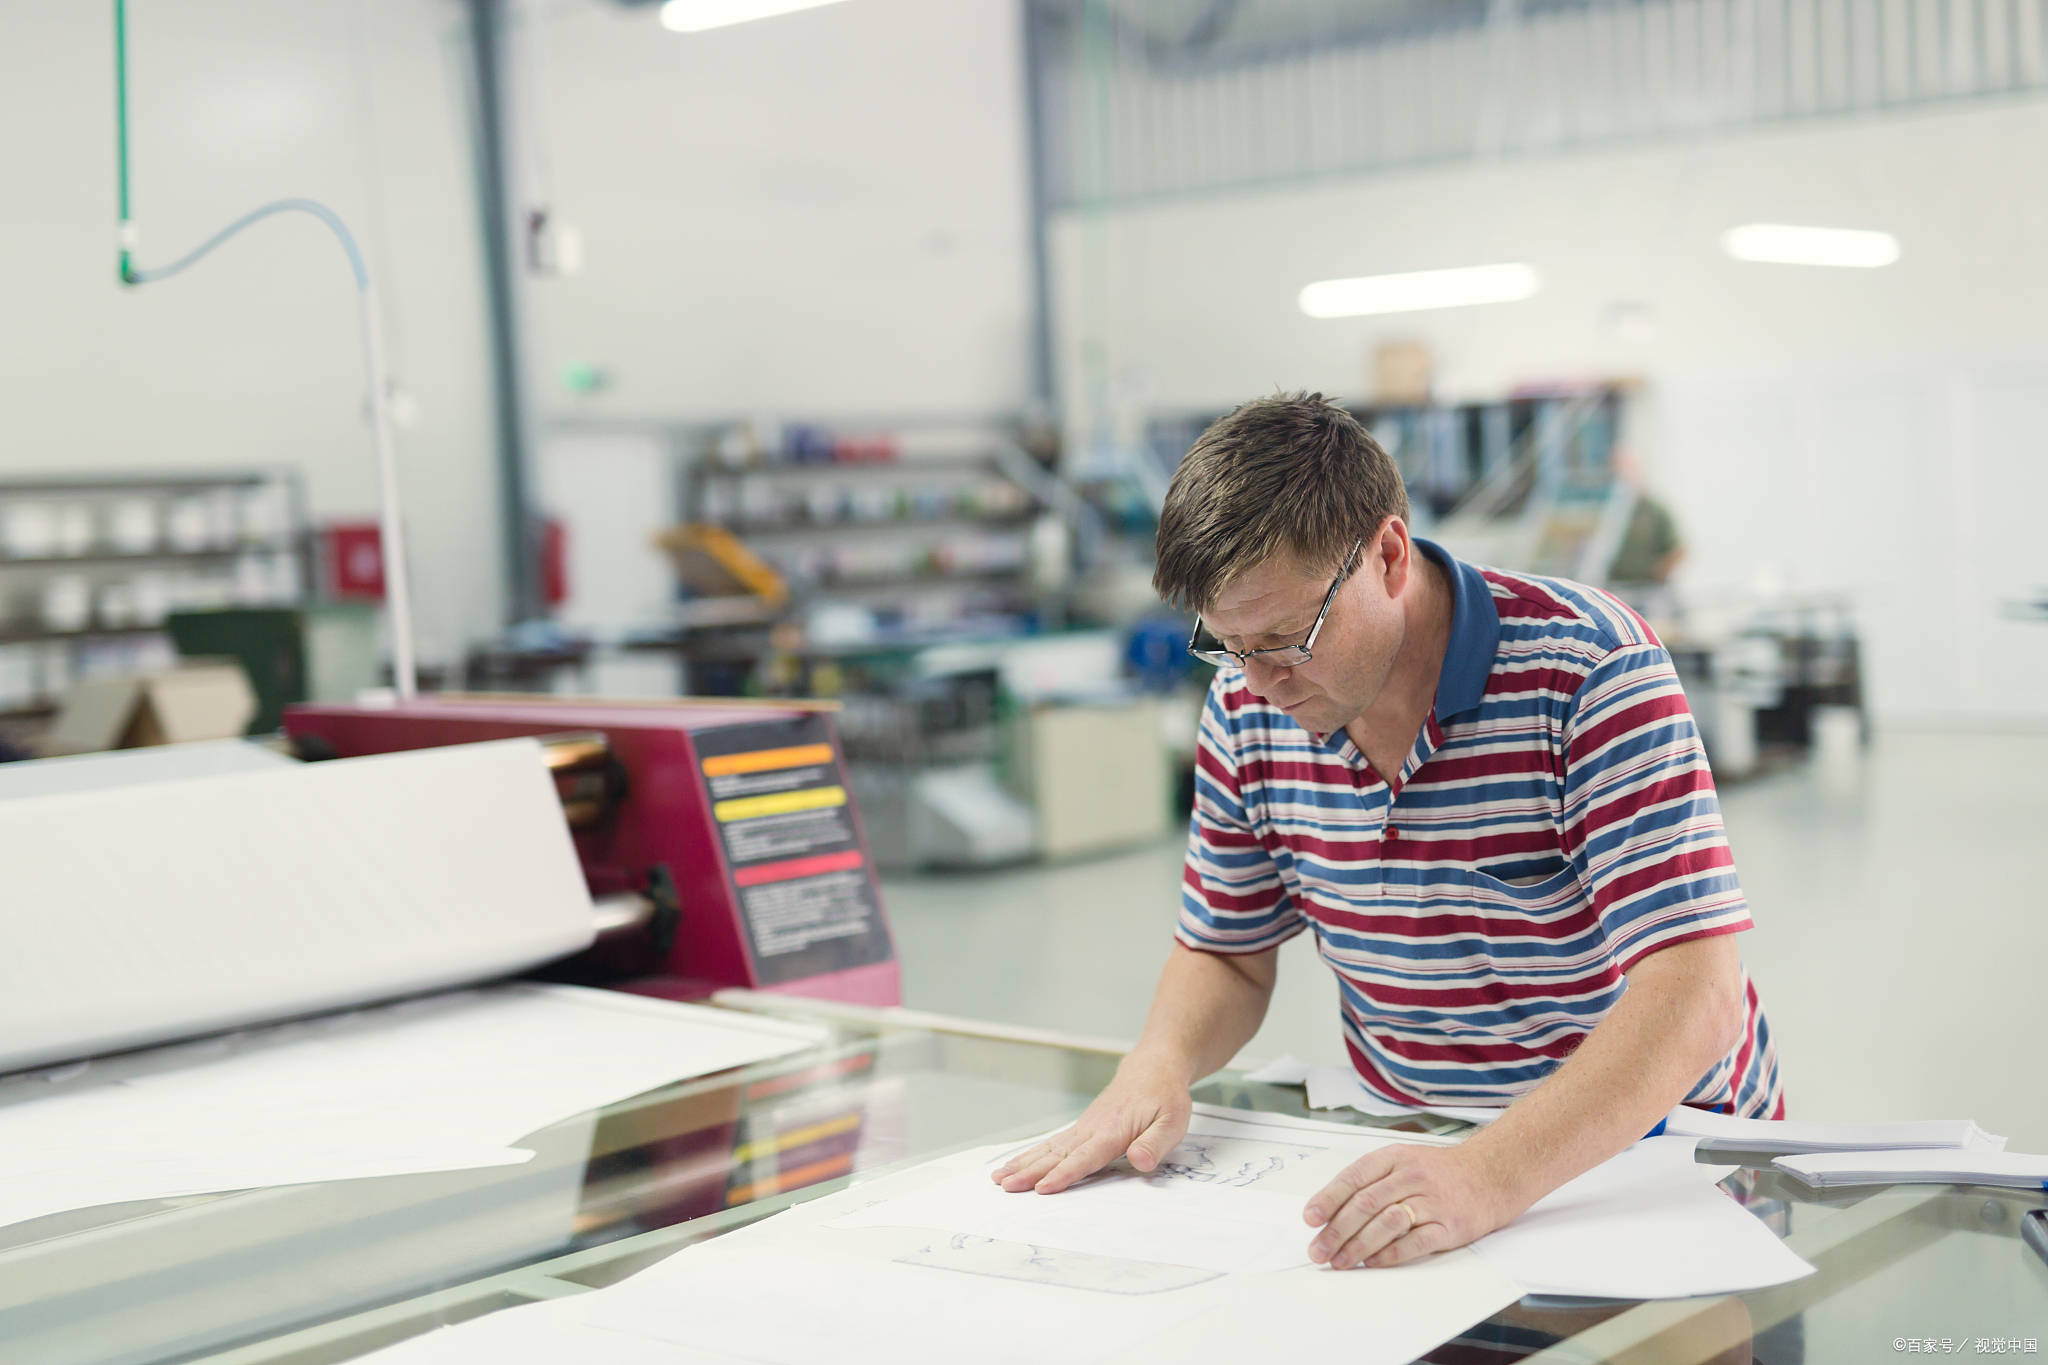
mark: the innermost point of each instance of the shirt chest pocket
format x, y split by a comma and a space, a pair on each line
1516, 872
1538, 890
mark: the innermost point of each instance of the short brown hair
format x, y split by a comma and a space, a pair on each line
1292, 473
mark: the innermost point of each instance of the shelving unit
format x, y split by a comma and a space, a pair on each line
892, 532
838, 527
91, 564
853, 526
926, 522
1449, 451
783, 466
144, 557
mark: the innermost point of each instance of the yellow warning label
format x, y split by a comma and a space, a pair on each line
778, 803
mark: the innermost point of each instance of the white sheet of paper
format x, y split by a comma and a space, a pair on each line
719, 1305
857, 1309
883, 1296
161, 910
1647, 1224
1378, 1317
1810, 1135
1046, 1299
1228, 1198
444, 1083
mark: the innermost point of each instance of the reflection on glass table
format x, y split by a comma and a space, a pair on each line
324, 1273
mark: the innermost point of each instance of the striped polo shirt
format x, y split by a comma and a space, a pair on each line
1554, 822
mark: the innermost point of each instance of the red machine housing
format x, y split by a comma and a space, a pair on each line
743, 809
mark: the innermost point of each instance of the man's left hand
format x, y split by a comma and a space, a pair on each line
1405, 1202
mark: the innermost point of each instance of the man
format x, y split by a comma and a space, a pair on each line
1650, 548
1484, 794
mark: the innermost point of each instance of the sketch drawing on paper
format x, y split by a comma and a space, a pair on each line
1050, 1266
1234, 1162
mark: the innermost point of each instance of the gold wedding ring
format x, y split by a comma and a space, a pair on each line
1403, 1206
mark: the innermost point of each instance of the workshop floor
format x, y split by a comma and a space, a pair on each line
1900, 896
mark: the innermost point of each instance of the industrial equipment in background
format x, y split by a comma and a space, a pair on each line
721, 840
924, 750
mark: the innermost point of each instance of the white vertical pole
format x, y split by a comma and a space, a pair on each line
397, 581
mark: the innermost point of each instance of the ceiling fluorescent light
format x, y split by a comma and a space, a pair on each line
1418, 290
1779, 244
694, 16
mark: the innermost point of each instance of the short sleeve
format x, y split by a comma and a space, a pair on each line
1232, 899
1641, 822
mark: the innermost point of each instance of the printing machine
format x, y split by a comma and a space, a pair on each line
720, 839
174, 908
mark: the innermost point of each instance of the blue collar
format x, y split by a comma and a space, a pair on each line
1475, 635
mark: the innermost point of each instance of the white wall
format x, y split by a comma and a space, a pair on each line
1876, 430
252, 357
822, 213
819, 215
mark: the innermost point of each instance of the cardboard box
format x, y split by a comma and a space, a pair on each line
199, 699
1402, 372
1097, 774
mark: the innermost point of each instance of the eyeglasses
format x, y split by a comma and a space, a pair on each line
1280, 656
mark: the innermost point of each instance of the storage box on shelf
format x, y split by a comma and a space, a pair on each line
91, 566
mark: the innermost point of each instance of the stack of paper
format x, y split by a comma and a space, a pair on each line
1808, 1135
2009, 1170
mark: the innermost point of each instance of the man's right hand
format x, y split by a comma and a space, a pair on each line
1142, 1114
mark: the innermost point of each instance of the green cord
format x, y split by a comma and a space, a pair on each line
121, 128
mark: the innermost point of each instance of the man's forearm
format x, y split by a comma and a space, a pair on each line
1671, 1026
1207, 1006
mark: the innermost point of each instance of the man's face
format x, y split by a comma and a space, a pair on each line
1275, 603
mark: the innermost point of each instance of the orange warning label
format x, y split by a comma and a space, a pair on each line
767, 760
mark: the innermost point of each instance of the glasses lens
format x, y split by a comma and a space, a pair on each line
1211, 656
1287, 656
